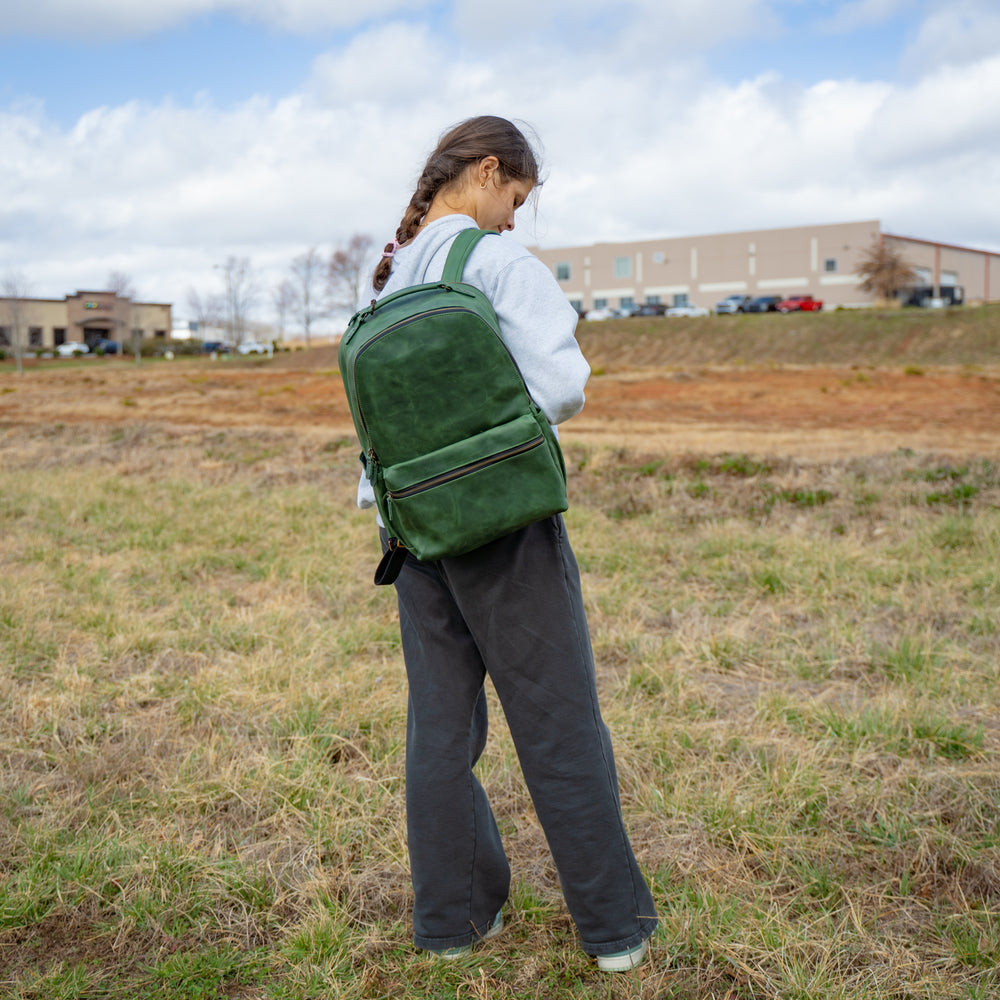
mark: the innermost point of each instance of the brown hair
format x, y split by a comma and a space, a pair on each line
457, 149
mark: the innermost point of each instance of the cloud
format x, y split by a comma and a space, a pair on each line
955, 32
634, 147
671, 28
669, 24
855, 14
128, 18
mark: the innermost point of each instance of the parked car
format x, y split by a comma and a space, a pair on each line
106, 346
71, 348
799, 303
733, 304
254, 347
764, 304
593, 314
650, 309
927, 297
216, 347
686, 311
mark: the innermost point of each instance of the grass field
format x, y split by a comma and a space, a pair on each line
204, 708
967, 336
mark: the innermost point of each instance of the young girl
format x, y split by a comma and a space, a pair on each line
512, 609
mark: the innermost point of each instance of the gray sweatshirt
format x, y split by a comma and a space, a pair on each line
536, 322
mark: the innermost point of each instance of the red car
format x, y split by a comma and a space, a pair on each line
799, 303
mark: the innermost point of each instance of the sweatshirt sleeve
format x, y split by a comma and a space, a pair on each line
538, 325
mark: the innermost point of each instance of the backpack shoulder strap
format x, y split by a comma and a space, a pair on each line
459, 253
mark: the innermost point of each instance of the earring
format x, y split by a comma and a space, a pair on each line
483, 185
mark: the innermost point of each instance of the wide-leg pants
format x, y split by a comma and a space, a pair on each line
513, 609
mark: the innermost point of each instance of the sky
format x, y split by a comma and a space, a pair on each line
161, 138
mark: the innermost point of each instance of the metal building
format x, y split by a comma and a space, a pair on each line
804, 260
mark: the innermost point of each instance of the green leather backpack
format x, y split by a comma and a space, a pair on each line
455, 448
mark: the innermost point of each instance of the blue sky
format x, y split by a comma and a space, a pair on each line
231, 58
160, 138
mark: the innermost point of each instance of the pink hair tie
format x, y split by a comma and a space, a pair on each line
390, 248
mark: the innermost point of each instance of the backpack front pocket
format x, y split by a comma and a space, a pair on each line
464, 495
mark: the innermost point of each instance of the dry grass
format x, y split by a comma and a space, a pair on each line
205, 703
912, 337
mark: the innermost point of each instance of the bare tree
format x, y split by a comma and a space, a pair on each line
307, 273
241, 295
883, 269
124, 288
349, 271
207, 310
16, 291
121, 284
283, 296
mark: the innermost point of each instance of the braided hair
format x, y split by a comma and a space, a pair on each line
463, 145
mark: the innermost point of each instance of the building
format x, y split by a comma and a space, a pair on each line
817, 260
84, 316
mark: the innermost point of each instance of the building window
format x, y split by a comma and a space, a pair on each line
600, 303
652, 300
659, 257
626, 302
563, 271
4, 336
681, 299
577, 304
58, 335
160, 333
949, 279
34, 336
922, 275
623, 267
830, 264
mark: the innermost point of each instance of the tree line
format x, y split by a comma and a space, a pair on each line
315, 287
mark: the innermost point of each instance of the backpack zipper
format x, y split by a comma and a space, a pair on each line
464, 470
404, 322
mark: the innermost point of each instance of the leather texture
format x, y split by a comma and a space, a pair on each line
456, 450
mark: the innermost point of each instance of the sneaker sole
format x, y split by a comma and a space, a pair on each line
623, 961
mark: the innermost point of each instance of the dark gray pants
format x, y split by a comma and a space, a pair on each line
512, 609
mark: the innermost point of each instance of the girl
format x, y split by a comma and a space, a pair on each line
512, 609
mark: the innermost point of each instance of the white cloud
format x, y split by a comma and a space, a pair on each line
129, 18
955, 32
634, 148
671, 28
855, 14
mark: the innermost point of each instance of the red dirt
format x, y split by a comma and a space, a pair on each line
811, 412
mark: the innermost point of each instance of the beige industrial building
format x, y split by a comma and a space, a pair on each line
805, 260
85, 316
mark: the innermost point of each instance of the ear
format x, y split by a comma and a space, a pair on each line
486, 170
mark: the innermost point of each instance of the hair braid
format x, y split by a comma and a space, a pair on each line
461, 146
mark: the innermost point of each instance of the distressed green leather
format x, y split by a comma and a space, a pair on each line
456, 450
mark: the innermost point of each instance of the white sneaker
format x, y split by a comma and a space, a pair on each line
623, 961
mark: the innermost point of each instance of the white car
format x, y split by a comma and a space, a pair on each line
71, 348
254, 347
686, 311
596, 314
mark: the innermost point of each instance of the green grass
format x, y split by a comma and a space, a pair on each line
204, 713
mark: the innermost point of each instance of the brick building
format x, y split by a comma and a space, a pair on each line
83, 316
